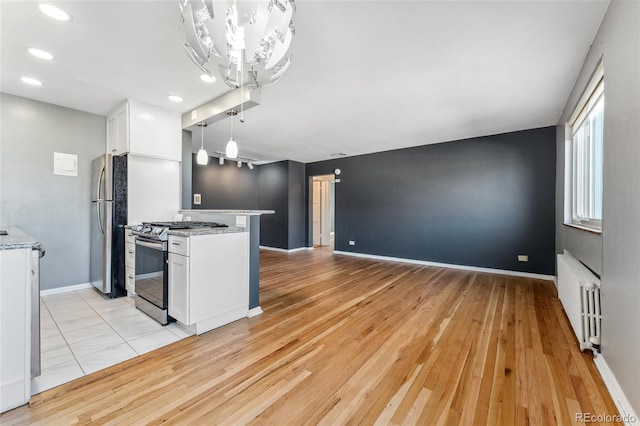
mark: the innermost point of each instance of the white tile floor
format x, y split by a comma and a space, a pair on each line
84, 331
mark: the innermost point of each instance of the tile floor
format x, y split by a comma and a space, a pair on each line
84, 331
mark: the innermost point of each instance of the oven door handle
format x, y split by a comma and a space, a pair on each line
152, 245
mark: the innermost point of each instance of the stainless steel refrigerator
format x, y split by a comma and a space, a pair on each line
108, 218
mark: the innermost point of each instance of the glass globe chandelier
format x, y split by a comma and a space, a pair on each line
247, 41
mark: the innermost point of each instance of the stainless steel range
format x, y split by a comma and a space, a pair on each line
151, 268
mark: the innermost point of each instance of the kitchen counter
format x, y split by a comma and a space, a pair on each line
16, 239
205, 231
231, 212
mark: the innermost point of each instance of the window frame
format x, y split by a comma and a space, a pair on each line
578, 160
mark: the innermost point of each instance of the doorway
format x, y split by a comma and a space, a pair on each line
323, 210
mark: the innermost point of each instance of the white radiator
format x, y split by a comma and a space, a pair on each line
579, 293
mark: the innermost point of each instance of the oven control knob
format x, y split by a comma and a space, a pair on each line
146, 229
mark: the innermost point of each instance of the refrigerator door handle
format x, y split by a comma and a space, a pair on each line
99, 218
100, 186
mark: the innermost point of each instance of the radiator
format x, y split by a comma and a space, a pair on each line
579, 293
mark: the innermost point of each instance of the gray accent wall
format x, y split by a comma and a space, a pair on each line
616, 253
55, 210
476, 202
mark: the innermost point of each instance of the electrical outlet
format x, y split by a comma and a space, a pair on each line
352, 243
523, 258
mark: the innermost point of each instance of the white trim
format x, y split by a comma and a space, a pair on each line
66, 289
254, 312
622, 403
285, 250
449, 265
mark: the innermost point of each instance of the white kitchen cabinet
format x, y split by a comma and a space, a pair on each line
178, 287
118, 130
15, 324
130, 261
209, 287
145, 130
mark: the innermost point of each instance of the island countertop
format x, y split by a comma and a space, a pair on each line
16, 239
230, 212
205, 231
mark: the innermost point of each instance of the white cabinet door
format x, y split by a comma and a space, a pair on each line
15, 326
118, 130
155, 132
179, 287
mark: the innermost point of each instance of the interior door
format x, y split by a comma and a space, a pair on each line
325, 214
316, 213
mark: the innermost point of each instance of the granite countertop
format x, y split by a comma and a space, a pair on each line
236, 212
205, 231
16, 239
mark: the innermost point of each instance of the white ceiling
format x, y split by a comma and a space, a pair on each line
367, 76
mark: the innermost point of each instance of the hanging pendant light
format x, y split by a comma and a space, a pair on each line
202, 158
231, 150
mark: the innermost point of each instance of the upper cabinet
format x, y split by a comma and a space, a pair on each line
118, 130
145, 130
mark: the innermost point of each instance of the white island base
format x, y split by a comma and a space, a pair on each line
208, 277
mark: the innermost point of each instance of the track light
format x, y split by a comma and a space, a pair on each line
221, 161
250, 165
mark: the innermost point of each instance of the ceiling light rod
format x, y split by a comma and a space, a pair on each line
239, 157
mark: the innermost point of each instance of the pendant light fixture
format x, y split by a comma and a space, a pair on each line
202, 158
231, 150
239, 37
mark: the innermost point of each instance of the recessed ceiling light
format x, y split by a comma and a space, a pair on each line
207, 78
40, 53
54, 12
174, 98
338, 154
31, 81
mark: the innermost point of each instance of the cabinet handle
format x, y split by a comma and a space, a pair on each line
176, 244
130, 251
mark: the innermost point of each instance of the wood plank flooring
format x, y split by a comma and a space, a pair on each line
344, 340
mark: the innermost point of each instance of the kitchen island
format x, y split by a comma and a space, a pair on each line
250, 220
208, 276
16, 268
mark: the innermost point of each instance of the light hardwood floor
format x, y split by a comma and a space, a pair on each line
344, 340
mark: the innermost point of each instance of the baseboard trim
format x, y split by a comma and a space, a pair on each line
629, 417
254, 312
285, 250
448, 265
66, 289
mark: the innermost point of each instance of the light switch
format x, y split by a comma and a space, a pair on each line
241, 221
197, 198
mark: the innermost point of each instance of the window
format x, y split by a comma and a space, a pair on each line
585, 167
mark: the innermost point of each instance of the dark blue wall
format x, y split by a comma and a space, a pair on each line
272, 195
226, 186
476, 202
296, 205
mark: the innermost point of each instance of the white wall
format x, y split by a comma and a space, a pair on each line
53, 209
616, 254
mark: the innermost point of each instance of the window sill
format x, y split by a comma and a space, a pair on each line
584, 228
